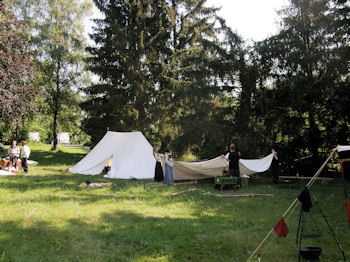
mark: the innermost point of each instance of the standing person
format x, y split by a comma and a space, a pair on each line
168, 179
13, 152
232, 158
158, 173
274, 166
25, 152
1, 150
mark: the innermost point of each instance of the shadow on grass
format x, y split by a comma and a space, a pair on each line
56, 158
227, 234
121, 236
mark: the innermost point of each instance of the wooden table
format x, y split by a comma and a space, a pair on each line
303, 178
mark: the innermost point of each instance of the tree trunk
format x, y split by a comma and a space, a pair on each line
56, 105
55, 114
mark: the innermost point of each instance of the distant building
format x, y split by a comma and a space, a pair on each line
63, 138
34, 136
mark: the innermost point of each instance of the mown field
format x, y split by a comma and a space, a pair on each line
45, 216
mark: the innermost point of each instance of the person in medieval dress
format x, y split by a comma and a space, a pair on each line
168, 179
158, 173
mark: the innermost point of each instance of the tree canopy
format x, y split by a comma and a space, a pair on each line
174, 70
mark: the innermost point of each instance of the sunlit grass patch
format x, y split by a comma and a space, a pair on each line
46, 216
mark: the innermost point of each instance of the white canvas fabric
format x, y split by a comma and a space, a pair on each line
253, 166
198, 170
6, 173
214, 167
343, 148
34, 136
131, 152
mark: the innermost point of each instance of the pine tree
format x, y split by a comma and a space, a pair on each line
159, 63
306, 64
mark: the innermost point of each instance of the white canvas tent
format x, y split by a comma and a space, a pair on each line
343, 148
63, 138
214, 167
131, 152
34, 136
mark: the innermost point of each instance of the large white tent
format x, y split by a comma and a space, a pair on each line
132, 156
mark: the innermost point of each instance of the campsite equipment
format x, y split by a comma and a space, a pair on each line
311, 252
215, 167
308, 252
221, 182
244, 181
293, 205
132, 157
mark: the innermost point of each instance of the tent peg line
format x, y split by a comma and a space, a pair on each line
309, 184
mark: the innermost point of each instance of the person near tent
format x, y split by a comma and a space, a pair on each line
25, 152
232, 158
275, 166
168, 179
13, 152
1, 151
158, 173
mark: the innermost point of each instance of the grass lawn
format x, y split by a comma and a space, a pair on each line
45, 216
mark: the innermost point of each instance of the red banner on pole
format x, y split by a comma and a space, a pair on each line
281, 228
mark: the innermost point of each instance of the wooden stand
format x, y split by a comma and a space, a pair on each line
244, 182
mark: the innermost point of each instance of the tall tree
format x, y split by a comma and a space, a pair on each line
58, 41
16, 68
195, 68
304, 63
128, 59
159, 63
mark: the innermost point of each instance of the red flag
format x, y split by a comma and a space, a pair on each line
281, 228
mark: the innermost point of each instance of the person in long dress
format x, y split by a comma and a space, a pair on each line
14, 152
168, 179
158, 173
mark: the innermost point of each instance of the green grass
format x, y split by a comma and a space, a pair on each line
45, 216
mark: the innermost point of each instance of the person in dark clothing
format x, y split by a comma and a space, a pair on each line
158, 174
232, 158
275, 166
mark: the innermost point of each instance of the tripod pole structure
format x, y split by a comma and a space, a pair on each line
312, 180
329, 226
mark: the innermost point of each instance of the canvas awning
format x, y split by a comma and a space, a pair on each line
214, 167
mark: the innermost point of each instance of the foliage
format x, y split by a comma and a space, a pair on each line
58, 42
16, 69
159, 63
302, 104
